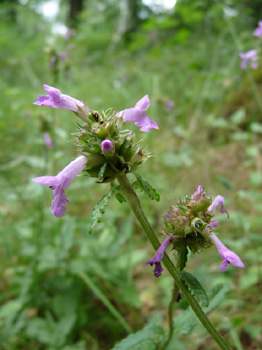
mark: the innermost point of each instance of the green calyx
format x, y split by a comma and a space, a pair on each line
188, 221
127, 154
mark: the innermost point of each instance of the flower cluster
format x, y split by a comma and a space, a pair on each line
106, 151
189, 224
251, 55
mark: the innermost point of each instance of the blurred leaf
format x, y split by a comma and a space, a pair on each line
100, 295
10, 308
238, 117
195, 288
146, 339
177, 160
225, 181
253, 330
256, 127
255, 179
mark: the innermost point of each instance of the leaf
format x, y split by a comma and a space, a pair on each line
182, 260
146, 188
99, 208
101, 296
146, 339
238, 117
102, 170
195, 288
120, 197
10, 308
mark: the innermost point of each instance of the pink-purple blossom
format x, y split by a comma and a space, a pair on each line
159, 256
218, 202
139, 116
227, 255
107, 146
198, 194
55, 99
48, 140
60, 182
258, 31
249, 56
169, 105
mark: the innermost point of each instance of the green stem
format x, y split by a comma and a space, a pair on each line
171, 304
135, 205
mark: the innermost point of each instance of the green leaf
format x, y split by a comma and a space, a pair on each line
182, 260
146, 188
10, 308
99, 208
195, 288
120, 197
146, 339
102, 170
238, 117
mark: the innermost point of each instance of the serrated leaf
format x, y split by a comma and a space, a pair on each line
120, 197
182, 260
102, 170
195, 288
146, 188
99, 208
146, 339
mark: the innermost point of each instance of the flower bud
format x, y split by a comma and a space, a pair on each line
107, 147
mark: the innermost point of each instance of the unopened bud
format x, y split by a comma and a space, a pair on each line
107, 147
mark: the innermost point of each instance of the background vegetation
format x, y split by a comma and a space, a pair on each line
62, 289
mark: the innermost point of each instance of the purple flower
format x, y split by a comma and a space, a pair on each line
48, 140
55, 99
218, 202
107, 147
159, 256
258, 31
60, 182
249, 56
198, 194
169, 105
213, 224
227, 255
139, 116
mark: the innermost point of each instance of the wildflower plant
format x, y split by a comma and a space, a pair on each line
108, 151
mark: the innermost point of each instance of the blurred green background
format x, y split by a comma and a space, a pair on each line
62, 289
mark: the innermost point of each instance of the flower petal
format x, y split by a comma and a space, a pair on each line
143, 104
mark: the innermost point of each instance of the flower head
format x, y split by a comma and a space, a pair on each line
159, 256
258, 31
55, 99
60, 182
227, 255
139, 116
249, 56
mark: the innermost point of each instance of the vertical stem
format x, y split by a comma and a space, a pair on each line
135, 205
173, 300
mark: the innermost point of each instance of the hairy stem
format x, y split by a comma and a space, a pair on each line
135, 205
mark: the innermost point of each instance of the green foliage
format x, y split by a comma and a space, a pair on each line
146, 188
146, 339
99, 208
182, 258
195, 288
212, 137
